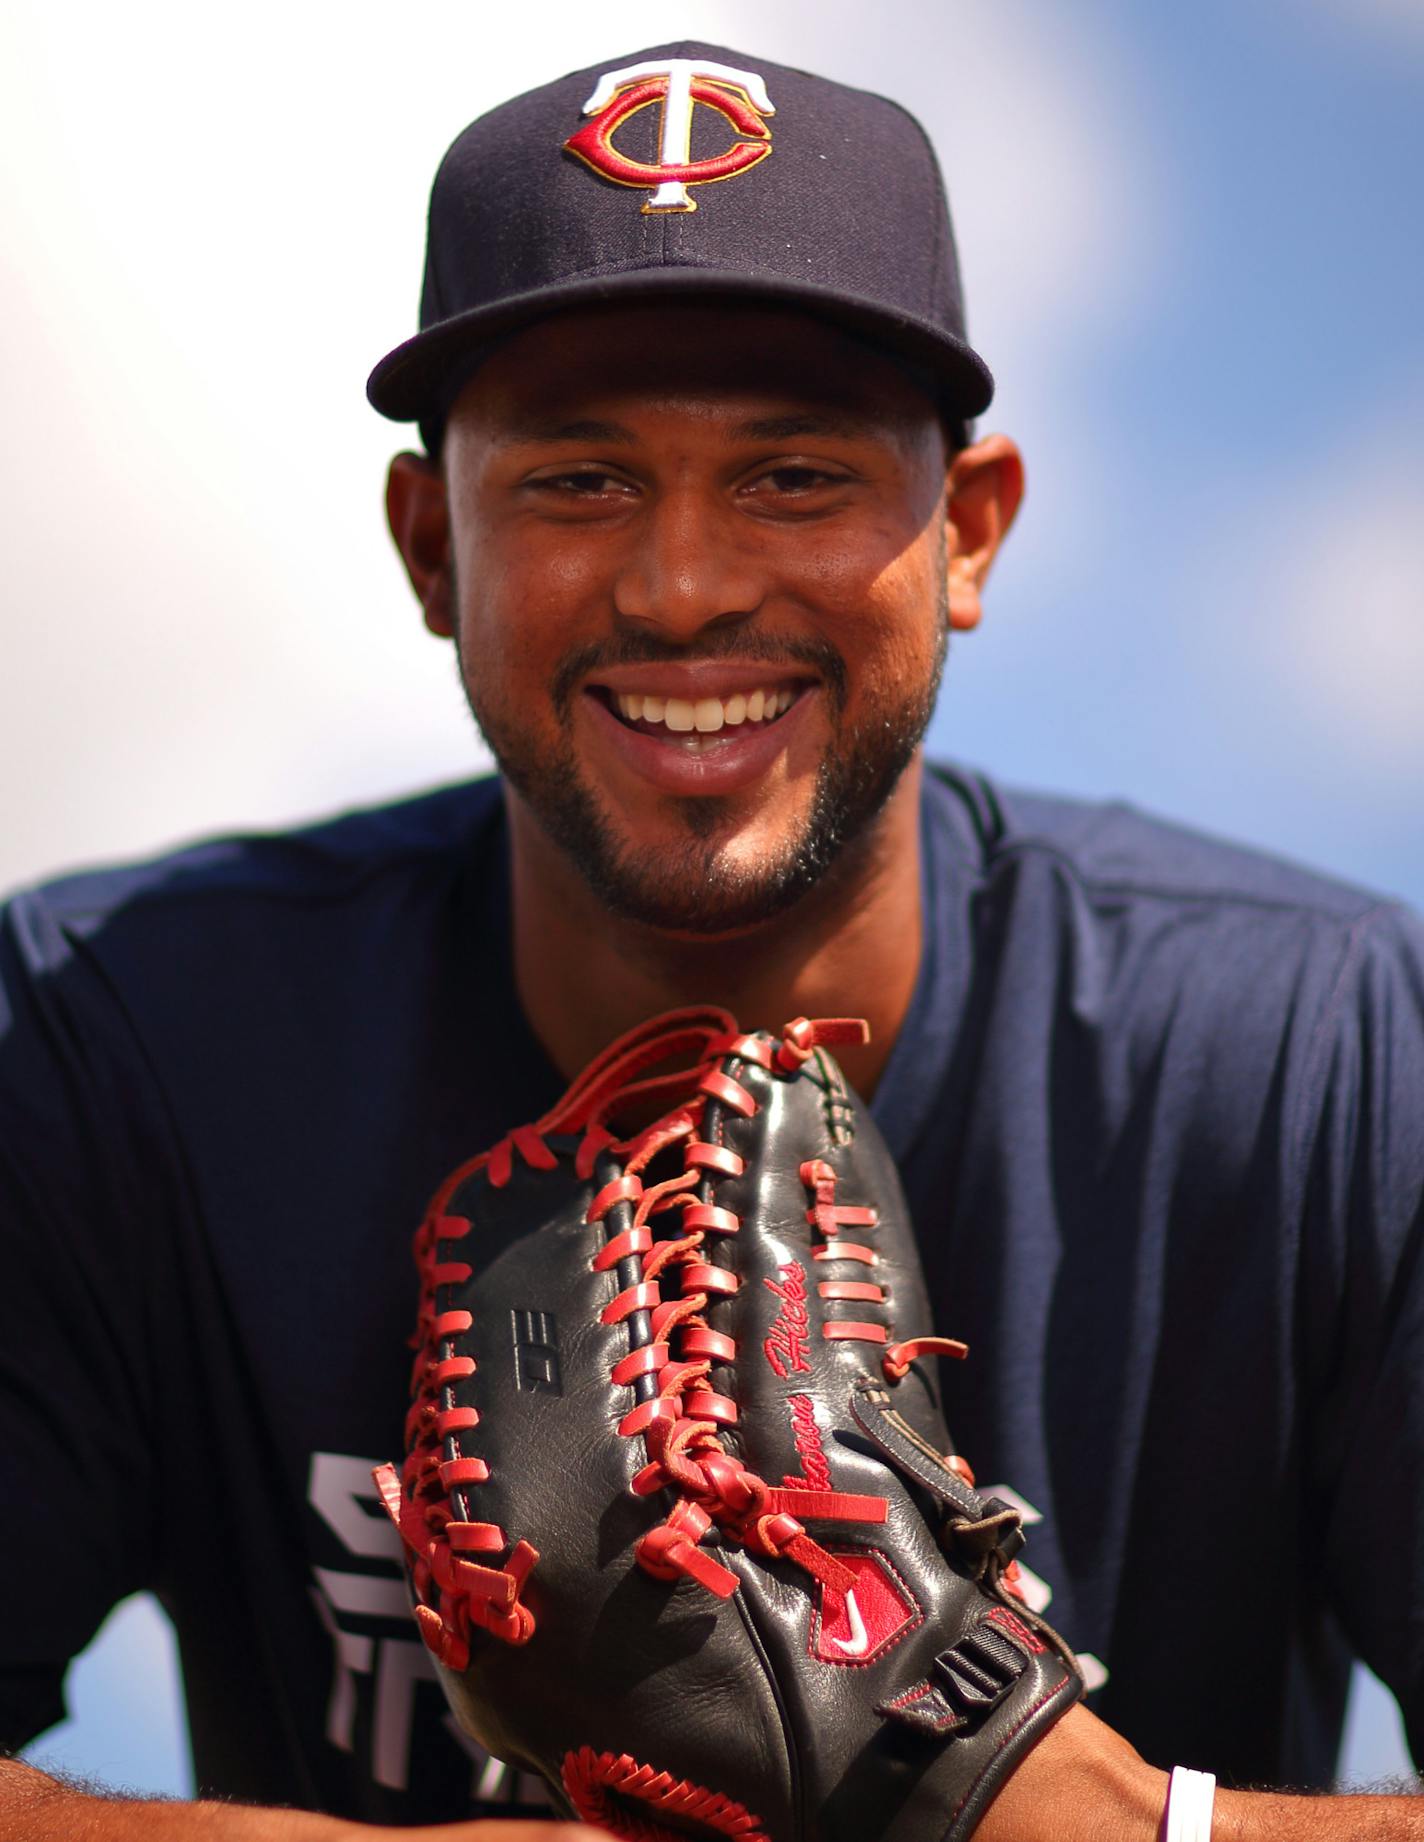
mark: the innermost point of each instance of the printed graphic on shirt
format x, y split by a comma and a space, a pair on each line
383, 1677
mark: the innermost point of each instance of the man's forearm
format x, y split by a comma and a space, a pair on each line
1085, 1783
1269, 1816
37, 1808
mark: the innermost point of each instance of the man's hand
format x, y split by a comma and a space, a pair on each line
1084, 1783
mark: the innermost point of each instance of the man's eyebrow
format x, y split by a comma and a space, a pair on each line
550, 429
808, 422
846, 424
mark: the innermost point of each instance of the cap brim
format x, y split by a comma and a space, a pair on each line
414, 382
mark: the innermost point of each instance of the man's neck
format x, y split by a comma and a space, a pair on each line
850, 948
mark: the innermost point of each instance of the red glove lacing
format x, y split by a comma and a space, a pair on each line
679, 1425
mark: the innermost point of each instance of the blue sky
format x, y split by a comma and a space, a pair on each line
1192, 244
1226, 621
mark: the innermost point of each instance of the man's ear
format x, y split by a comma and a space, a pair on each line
419, 516
983, 487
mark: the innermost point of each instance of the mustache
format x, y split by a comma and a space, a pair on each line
818, 656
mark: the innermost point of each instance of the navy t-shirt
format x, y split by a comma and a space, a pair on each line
1159, 1109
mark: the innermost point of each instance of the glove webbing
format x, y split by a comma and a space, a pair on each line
467, 1593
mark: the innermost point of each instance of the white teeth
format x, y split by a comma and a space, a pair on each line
704, 715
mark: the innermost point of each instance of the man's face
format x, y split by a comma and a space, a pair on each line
698, 563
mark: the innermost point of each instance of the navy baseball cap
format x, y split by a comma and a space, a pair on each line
687, 171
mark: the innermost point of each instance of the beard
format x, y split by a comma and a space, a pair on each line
692, 888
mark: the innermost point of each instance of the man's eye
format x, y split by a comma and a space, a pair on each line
581, 482
794, 481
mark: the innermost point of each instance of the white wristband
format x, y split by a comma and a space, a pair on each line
1190, 1797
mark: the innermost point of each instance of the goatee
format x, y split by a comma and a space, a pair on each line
691, 887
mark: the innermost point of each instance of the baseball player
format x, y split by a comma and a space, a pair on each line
700, 504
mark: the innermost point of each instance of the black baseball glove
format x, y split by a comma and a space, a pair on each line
686, 1532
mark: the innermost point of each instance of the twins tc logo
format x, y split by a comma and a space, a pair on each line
739, 96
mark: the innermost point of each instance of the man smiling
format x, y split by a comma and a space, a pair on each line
701, 506
768, 502
701, 564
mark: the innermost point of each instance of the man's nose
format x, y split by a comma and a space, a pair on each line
688, 567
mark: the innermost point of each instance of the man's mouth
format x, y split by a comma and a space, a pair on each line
693, 721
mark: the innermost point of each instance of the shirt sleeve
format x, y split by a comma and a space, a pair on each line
77, 1300
1362, 1300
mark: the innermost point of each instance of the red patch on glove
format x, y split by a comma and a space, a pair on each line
859, 1626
